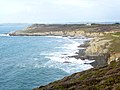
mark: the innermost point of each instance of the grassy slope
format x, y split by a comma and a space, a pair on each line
103, 78
115, 46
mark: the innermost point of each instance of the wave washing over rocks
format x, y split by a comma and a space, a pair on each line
62, 58
4, 35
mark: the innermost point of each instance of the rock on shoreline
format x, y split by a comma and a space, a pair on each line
95, 49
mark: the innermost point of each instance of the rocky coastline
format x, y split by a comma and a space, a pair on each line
104, 76
94, 30
96, 49
103, 48
92, 52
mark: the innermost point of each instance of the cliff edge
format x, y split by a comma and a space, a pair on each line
67, 30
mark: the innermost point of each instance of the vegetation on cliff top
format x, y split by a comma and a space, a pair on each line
103, 78
42, 28
115, 46
115, 42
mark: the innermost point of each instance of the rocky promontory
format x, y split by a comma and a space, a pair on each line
67, 30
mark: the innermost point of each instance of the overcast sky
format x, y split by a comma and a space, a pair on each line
59, 11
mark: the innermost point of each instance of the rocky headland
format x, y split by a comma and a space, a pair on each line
66, 30
104, 48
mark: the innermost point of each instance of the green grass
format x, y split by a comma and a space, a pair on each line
115, 43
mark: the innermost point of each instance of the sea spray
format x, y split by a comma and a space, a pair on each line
61, 60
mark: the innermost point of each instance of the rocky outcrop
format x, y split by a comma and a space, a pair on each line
56, 33
96, 49
114, 57
104, 50
97, 46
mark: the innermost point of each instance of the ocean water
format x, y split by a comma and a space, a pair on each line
27, 62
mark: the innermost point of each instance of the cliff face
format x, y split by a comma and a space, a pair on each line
56, 33
98, 46
98, 51
104, 49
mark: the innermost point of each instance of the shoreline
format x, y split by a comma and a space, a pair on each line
99, 60
103, 48
67, 57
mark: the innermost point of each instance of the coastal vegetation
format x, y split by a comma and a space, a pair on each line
102, 78
67, 30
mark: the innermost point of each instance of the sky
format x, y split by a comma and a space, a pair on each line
59, 11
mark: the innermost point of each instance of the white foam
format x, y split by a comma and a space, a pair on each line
69, 67
88, 61
55, 36
4, 35
60, 59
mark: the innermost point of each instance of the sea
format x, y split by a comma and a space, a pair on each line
27, 62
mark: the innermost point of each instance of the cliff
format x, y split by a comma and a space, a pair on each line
104, 49
66, 30
98, 50
98, 46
